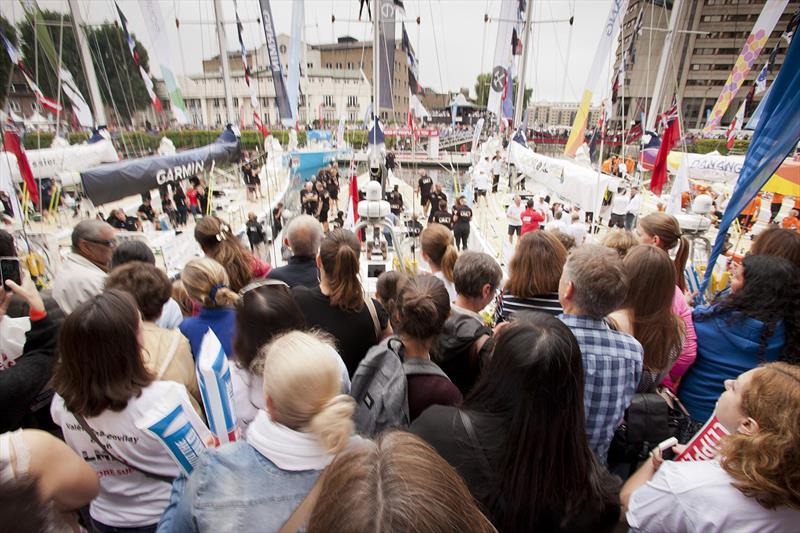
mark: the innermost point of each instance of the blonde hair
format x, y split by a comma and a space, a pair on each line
207, 282
304, 382
438, 244
619, 240
766, 465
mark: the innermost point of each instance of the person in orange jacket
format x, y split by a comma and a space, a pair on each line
749, 214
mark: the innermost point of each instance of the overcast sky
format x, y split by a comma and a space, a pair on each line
452, 42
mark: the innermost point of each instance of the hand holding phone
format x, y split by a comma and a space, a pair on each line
9, 269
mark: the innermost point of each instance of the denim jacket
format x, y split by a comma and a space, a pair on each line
235, 488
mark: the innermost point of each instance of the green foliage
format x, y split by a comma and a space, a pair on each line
111, 57
5, 61
704, 146
483, 85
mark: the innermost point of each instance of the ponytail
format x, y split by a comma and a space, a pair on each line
437, 244
206, 282
333, 424
449, 262
680, 262
339, 254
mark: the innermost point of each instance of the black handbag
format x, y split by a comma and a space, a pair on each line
650, 419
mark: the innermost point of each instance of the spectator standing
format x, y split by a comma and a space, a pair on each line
218, 243
514, 218
531, 218
303, 237
256, 236
440, 254
634, 206
619, 209
576, 228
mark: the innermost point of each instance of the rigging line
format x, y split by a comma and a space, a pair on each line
58, 91
436, 47
108, 87
444, 40
132, 107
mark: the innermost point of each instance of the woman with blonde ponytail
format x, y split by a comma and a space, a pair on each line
338, 305
207, 284
258, 483
439, 251
663, 231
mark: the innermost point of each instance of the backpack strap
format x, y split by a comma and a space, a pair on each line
302, 512
173, 348
466, 421
373, 313
426, 367
92, 435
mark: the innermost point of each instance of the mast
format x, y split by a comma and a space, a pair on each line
521, 85
376, 62
86, 63
658, 89
223, 58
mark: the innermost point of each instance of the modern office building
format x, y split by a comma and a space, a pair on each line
709, 36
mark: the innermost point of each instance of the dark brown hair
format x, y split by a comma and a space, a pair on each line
101, 363
779, 242
437, 243
388, 287
536, 266
422, 307
339, 254
668, 230
651, 277
261, 314
219, 243
148, 285
397, 483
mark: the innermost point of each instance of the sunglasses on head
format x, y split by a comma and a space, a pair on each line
261, 283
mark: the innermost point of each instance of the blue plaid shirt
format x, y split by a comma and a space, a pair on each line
612, 365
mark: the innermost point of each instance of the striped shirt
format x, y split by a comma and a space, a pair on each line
508, 304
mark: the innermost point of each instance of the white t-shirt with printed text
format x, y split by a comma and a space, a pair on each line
127, 497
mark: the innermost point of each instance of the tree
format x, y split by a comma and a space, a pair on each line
5, 62
482, 88
117, 74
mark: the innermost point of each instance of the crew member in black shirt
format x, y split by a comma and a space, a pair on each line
442, 215
309, 199
146, 210
462, 216
425, 184
395, 200
437, 196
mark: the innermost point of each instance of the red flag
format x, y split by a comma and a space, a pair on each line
260, 125
354, 193
731, 134
11, 144
669, 137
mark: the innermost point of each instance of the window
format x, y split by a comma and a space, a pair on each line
352, 101
216, 102
338, 65
327, 100
282, 48
310, 65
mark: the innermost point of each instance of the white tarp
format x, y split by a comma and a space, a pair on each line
579, 185
708, 167
51, 162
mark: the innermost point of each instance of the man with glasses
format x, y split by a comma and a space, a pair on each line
83, 273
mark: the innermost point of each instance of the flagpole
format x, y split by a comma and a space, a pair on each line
86, 62
655, 103
521, 83
223, 58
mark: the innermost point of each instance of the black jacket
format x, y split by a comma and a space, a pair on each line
301, 270
24, 397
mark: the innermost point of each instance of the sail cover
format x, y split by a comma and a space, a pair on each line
281, 93
108, 183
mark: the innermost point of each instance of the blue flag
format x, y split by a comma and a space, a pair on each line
775, 137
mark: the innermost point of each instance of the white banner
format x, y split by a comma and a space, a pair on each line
159, 40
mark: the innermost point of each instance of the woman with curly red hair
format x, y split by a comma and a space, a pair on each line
755, 480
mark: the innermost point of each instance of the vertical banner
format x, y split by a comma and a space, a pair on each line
295, 58
12, 144
613, 20
148, 83
775, 137
752, 48
503, 55
151, 12
281, 95
386, 53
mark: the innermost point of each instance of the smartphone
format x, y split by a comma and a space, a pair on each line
666, 448
9, 269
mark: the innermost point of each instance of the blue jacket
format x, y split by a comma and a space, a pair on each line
235, 488
221, 320
725, 349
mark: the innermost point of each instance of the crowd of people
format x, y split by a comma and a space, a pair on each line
454, 400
